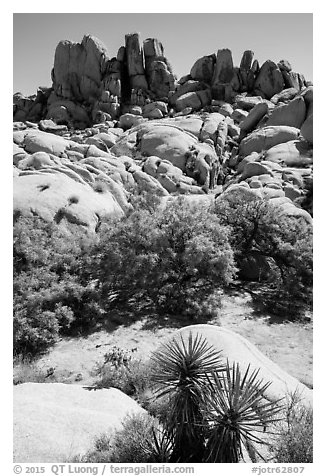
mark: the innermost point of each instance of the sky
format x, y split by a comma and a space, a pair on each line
185, 38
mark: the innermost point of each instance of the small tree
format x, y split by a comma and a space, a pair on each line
257, 226
176, 257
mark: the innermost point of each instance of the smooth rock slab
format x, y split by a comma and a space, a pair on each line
55, 196
236, 348
267, 137
54, 422
294, 153
292, 114
167, 142
39, 141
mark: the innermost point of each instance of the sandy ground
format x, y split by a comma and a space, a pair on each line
286, 343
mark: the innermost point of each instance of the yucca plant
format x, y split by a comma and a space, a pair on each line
236, 413
182, 375
160, 446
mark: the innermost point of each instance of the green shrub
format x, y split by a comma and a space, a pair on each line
294, 443
133, 377
51, 286
25, 370
176, 258
101, 453
261, 228
133, 443
138, 441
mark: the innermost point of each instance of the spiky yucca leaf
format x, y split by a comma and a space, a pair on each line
183, 364
236, 411
160, 447
182, 369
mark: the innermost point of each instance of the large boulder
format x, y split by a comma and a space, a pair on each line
78, 69
187, 87
294, 153
285, 95
292, 114
60, 195
247, 77
267, 137
167, 142
66, 111
135, 62
269, 80
254, 116
190, 123
56, 421
252, 169
196, 100
307, 129
203, 69
39, 141
210, 125
246, 103
236, 348
286, 207
223, 71
158, 71
190, 100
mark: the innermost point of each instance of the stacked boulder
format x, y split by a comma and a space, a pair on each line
109, 125
90, 87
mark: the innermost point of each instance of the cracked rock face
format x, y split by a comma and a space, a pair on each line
78, 69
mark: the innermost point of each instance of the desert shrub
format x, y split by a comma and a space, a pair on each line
306, 201
125, 372
174, 257
132, 443
286, 241
140, 440
101, 453
51, 286
294, 443
25, 370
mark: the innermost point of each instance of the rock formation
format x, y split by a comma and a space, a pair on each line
88, 86
56, 421
110, 124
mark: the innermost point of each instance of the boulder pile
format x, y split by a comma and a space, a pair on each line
109, 126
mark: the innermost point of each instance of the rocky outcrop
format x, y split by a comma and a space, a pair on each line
223, 75
90, 87
109, 125
79, 68
269, 80
267, 137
